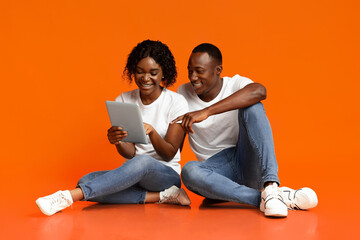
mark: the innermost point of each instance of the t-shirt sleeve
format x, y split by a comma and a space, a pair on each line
240, 82
181, 89
179, 107
120, 98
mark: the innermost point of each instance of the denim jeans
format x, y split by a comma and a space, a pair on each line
238, 173
130, 182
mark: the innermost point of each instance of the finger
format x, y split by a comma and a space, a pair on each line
191, 130
147, 130
115, 133
185, 124
177, 119
114, 128
184, 119
189, 123
190, 126
121, 136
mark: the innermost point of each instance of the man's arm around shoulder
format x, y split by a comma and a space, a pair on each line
245, 97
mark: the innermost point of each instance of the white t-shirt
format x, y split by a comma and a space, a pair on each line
168, 106
218, 131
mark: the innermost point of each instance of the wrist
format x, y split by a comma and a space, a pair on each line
209, 111
151, 132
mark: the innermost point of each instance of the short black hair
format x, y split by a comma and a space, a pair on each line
210, 49
162, 55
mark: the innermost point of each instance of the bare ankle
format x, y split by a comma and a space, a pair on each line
77, 194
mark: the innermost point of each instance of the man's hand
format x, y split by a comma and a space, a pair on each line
116, 134
190, 118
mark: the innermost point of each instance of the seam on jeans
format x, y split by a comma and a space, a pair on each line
147, 171
127, 183
213, 196
272, 179
206, 193
84, 192
151, 170
236, 171
252, 142
229, 158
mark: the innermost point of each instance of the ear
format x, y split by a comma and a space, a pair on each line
218, 69
163, 81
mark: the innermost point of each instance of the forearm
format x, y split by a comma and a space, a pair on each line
163, 148
249, 95
127, 150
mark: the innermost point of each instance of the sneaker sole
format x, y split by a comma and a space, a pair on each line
41, 209
270, 213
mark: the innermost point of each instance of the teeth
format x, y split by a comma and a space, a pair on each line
196, 84
146, 85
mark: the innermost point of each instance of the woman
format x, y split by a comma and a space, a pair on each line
151, 172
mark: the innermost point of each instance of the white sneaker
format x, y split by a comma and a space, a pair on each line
272, 203
54, 203
303, 198
174, 195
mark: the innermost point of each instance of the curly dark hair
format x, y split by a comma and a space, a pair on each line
160, 53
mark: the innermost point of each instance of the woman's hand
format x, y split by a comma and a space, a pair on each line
116, 134
148, 129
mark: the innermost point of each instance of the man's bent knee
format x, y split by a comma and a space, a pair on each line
189, 172
252, 112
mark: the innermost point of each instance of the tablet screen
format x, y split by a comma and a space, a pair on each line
128, 117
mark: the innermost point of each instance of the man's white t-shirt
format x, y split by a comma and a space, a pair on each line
168, 106
218, 131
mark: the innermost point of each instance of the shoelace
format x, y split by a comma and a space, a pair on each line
274, 192
171, 199
291, 200
293, 205
58, 199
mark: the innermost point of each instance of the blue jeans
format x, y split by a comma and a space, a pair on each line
238, 173
130, 182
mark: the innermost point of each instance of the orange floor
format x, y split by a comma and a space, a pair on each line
336, 217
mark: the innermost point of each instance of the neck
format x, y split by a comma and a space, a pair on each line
213, 92
148, 99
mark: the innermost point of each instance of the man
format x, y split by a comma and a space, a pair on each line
232, 139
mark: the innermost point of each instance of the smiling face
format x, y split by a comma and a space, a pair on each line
148, 76
204, 75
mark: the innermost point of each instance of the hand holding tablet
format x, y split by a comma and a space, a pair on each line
128, 117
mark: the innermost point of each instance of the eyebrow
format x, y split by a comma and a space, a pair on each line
196, 67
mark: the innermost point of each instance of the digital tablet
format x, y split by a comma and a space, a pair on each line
128, 117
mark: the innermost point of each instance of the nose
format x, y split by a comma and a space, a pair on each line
193, 76
146, 77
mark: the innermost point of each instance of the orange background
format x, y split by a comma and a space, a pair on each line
60, 61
